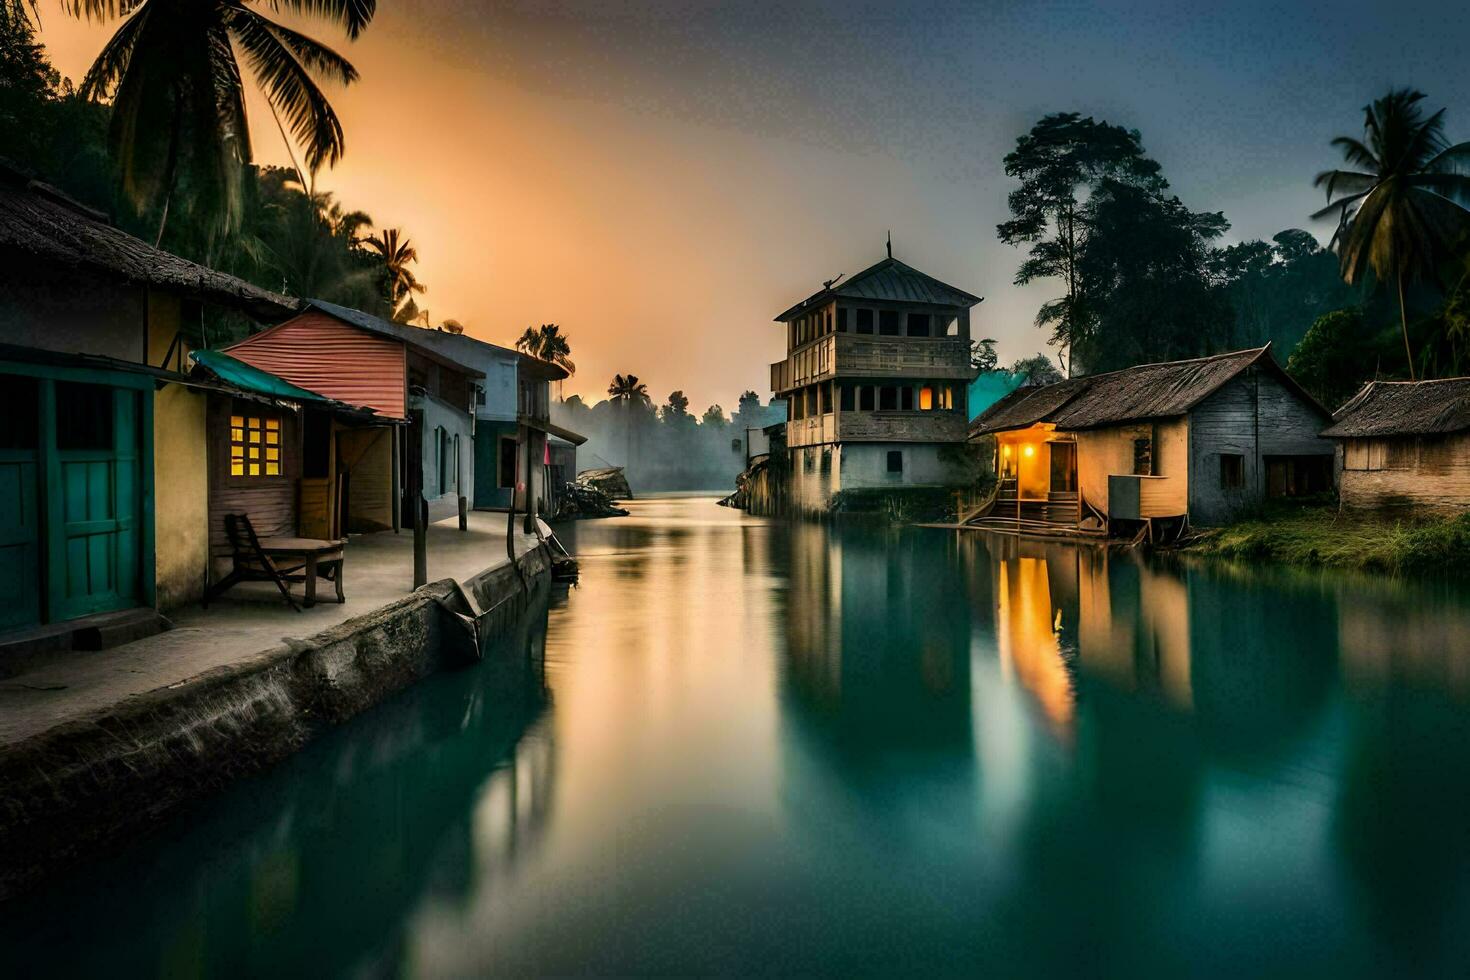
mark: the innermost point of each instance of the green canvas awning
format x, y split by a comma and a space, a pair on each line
236, 372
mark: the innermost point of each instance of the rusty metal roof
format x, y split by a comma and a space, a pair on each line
890, 281
1404, 408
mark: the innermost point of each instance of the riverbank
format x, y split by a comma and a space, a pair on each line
1322, 536
98, 748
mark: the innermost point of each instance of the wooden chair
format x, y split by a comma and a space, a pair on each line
279, 560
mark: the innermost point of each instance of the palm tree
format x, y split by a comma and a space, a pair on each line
178, 101
397, 252
1402, 208
548, 343
627, 391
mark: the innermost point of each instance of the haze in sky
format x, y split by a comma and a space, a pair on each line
661, 178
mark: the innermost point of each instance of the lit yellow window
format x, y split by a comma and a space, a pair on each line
248, 434
926, 399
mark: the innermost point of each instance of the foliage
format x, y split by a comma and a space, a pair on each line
179, 133
715, 416
676, 409
1401, 208
398, 282
626, 389
1038, 369
548, 343
1277, 290
1322, 536
982, 355
1337, 356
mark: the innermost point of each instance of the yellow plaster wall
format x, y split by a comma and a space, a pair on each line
1105, 452
181, 495
1033, 472
164, 318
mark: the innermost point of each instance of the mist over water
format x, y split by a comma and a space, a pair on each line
744, 746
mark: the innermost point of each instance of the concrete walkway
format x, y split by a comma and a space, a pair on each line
246, 622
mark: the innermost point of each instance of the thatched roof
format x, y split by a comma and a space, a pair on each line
41, 221
889, 281
1404, 408
1148, 391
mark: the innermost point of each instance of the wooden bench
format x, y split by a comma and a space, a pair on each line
282, 560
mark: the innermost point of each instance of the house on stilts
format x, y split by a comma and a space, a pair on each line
1154, 447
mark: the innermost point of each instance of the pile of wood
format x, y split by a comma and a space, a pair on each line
610, 481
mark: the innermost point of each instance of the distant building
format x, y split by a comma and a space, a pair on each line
875, 381
1199, 440
1405, 445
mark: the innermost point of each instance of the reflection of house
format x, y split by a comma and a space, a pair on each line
874, 377
365, 361
1406, 445
103, 488
1201, 439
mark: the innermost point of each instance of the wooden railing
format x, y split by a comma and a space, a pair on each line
867, 356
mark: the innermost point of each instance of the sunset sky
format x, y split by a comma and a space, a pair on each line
662, 178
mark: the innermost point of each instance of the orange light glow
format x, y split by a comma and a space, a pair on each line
1006, 451
1029, 451
926, 399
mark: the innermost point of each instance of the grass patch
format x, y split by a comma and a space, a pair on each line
1321, 536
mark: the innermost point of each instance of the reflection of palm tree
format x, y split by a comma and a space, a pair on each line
397, 252
178, 102
627, 391
1399, 213
548, 343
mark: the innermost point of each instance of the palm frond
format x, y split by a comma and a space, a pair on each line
289, 87
1452, 159
112, 61
100, 10
352, 15
1355, 153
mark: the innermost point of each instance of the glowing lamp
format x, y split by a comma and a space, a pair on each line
1029, 451
1005, 451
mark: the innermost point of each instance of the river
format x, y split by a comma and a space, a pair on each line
742, 746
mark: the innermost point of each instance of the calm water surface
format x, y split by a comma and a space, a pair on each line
745, 747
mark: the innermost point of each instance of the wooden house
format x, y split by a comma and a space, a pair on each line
1405, 446
103, 489
365, 361
875, 380
1196, 441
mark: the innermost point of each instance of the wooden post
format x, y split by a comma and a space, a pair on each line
420, 542
464, 514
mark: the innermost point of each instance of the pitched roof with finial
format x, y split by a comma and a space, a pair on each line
889, 281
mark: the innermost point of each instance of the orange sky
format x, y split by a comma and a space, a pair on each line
661, 177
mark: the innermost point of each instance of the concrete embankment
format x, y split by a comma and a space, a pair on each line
73, 791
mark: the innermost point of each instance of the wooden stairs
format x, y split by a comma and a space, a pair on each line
1058, 514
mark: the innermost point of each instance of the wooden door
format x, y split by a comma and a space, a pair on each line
1063, 466
94, 485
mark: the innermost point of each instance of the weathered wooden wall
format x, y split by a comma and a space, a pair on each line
1104, 452
1428, 474
270, 501
367, 456
1252, 416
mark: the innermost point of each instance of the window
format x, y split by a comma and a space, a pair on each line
1232, 471
808, 464
83, 416
865, 398
888, 398
826, 321
888, 323
864, 321
926, 399
506, 477
847, 398
895, 461
951, 328
1143, 457
906, 398
827, 459
842, 319
255, 446
918, 324
811, 400
19, 408
479, 395
824, 397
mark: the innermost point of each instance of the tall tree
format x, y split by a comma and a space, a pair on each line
178, 101
715, 416
399, 282
548, 343
1063, 156
1401, 208
629, 395
1278, 289
1038, 370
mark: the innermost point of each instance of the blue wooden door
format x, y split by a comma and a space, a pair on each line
95, 498
20, 519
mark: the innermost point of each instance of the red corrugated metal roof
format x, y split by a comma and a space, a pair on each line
321, 353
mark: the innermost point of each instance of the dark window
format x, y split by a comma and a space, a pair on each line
479, 395
918, 324
1143, 457
906, 401
827, 321
827, 460
846, 398
864, 321
807, 463
316, 437
18, 413
842, 319
888, 398
83, 416
1295, 476
1232, 471
895, 461
888, 323
811, 400
507, 475
865, 398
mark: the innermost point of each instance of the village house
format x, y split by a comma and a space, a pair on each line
1405, 446
875, 379
363, 360
104, 492
1157, 446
